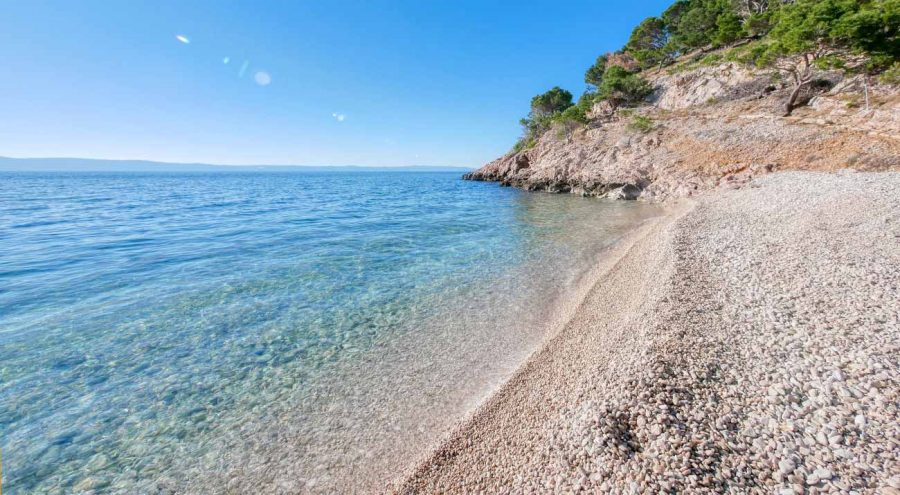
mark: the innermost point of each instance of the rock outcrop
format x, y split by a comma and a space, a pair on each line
711, 127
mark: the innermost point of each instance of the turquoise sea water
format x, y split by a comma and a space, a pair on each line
265, 332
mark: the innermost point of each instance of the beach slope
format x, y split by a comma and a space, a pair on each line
747, 342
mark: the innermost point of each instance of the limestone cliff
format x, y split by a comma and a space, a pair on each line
710, 127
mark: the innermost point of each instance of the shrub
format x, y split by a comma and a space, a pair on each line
758, 23
806, 26
640, 123
728, 28
555, 100
573, 114
573, 117
524, 143
621, 87
891, 76
869, 27
535, 125
748, 54
586, 101
594, 75
694, 26
649, 43
546, 108
711, 59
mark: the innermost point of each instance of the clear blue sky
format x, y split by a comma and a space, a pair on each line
349, 82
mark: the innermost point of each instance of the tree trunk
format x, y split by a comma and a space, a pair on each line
802, 75
789, 106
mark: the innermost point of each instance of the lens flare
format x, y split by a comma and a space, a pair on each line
262, 78
182, 38
226, 60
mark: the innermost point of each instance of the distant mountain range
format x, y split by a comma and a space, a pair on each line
91, 165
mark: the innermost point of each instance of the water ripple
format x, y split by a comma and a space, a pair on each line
187, 332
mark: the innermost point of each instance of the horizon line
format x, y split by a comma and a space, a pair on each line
226, 165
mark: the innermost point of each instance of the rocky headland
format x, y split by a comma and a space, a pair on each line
711, 126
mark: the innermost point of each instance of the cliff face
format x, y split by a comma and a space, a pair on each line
710, 127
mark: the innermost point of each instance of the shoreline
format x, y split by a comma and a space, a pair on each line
561, 312
497, 401
679, 368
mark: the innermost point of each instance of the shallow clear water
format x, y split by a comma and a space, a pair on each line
266, 331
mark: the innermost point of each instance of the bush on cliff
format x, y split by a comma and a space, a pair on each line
577, 113
594, 75
729, 28
641, 124
891, 76
570, 119
693, 24
621, 87
553, 101
546, 108
649, 43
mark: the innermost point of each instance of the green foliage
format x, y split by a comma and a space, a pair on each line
586, 101
546, 108
711, 59
729, 27
555, 100
758, 24
872, 29
672, 15
525, 143
535, 125
622, 87
594, 74
640, 123
809, 26
573, 114
708, 60
830, 61
747, 54
693, 24
649, 42
891, 76
696, 24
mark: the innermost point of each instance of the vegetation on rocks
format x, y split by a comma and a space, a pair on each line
793, 37
641, 123
545, 107
892, 75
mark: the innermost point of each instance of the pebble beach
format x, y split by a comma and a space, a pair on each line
746, 342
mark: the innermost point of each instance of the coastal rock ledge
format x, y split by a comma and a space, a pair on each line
708, 128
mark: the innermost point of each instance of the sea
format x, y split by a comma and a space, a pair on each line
268, 332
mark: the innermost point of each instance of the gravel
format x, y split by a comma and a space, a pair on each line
748, 342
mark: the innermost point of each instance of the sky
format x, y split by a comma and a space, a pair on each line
371, 82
